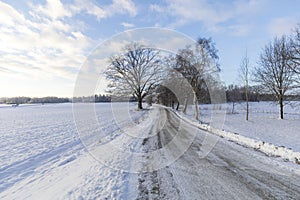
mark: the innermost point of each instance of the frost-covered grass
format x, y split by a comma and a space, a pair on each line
264, 130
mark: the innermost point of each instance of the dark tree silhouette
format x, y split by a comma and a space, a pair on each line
136, 72
274, 73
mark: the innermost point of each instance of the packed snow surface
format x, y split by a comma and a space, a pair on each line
44, 157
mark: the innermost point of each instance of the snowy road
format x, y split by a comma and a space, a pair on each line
229, 171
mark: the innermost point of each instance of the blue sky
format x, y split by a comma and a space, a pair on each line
43, 44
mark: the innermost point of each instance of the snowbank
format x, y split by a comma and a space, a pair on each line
267, 148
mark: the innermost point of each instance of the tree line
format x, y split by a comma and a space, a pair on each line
236, 93
191, 75
181, 79
29, 100
52, 99
89, 99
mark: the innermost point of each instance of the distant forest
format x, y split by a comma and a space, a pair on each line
51, 99
25, 100
234, 93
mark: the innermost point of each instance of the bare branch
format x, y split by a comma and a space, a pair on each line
134, 72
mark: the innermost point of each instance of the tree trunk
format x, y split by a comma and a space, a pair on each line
177, 107
247, 104
281, 107
140, 103
196, 113
247, 110
185, 105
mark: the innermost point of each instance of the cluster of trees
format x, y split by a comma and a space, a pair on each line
166, 97
83, 99
51, 99
102, 98
90, 99
276, 75
177, 79
22, 100
278, 69
190, 76
237, 93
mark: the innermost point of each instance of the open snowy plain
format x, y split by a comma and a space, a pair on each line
43, 156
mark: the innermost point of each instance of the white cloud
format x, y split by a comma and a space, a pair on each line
281, 26
40, 48
49, 43
127, 25
6, 15
105, 11
123, 7
88, 7
54, 9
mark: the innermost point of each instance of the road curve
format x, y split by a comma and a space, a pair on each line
229, 171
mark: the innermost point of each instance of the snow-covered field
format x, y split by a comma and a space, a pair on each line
43, 156
39, 140
263, 125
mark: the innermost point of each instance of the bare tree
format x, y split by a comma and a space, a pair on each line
244, 75
274, 74
295, 50
165, 96
233, 95
175, 83
136, 72
295, 53
186, 64
196, 65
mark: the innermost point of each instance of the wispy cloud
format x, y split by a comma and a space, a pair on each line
101, 12
210, 13
281, 26
54, 9
127, 25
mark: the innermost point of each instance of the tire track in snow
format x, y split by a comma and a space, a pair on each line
148, 182
225, 172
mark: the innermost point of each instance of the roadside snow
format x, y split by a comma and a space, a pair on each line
264, 131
